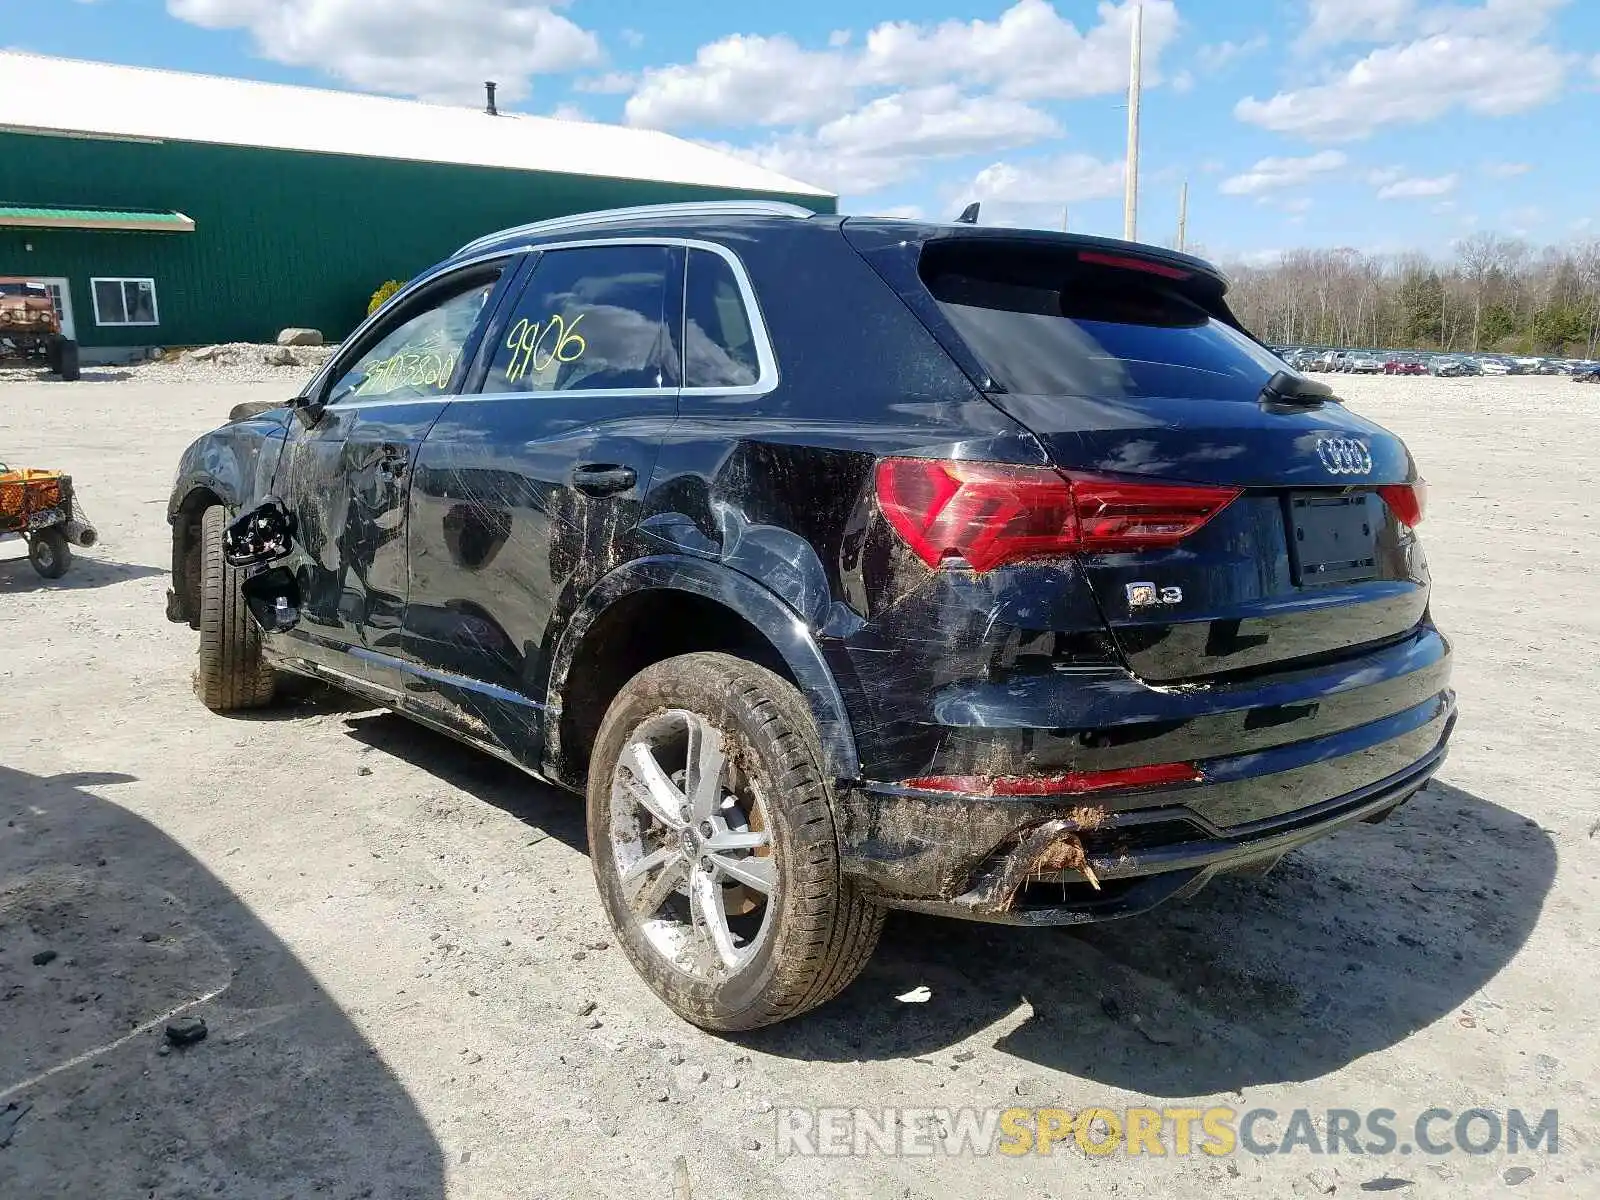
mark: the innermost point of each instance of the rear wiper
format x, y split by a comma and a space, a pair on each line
1288, 388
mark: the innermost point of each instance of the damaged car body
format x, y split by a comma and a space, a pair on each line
843, 564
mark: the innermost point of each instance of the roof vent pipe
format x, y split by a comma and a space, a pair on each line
490, 87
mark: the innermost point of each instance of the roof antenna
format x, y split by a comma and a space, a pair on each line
490, 87
969, 215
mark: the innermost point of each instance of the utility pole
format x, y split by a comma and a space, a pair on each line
1183, 217
1066, 219
1130, 216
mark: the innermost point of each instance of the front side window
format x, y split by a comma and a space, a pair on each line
719, 348
593, 318
124, 301
422, 355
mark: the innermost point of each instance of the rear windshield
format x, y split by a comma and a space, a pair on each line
1046, 324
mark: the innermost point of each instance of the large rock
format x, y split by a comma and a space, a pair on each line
279, 356
202, 354
300, 337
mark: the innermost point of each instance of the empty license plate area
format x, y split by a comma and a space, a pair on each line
1332, 539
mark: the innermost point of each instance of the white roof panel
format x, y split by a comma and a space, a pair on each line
44, 94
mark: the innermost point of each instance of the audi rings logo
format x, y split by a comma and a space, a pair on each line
1344, 456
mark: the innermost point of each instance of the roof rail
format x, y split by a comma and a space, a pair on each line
643, 212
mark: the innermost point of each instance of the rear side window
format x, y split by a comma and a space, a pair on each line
1046, 324
719, 348
593, 318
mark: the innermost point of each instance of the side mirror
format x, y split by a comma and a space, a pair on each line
262, 535
308, 410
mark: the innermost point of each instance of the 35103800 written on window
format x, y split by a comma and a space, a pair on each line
124, 301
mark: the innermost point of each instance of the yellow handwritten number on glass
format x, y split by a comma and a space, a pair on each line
528, 339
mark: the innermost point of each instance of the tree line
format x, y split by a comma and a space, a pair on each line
1497, 294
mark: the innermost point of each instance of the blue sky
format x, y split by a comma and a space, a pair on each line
1380, 124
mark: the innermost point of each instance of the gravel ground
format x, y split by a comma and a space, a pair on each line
395, 942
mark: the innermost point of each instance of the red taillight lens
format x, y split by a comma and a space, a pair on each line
1407, 501
1127, 263
990, 514
1073, 783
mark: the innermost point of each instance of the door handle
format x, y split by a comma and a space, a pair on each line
392, 461
603, 479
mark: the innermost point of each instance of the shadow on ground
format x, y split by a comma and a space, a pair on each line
17, 574
534, 803
283, 1098
1348, 947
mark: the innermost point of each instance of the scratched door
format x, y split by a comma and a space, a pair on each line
529, 491
347, 477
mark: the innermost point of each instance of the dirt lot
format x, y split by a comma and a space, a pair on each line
393, 940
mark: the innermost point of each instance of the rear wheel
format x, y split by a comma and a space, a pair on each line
50, 553
232, 675
713, 845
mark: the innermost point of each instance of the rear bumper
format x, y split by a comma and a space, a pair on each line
1371, 738
1129, 884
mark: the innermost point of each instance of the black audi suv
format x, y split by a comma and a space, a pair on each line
843, 565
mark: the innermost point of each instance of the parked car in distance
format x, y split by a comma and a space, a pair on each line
1587, 374
839, 587
1450, 367
1405, 364
1363, 364
1493, 366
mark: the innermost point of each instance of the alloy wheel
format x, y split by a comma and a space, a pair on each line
691, 842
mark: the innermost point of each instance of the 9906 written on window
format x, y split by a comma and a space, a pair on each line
124, 301
597, 318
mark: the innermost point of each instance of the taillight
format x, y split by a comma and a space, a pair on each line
1407, 501
989, 514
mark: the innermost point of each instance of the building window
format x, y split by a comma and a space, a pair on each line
124, 301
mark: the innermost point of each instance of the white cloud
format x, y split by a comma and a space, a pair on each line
1028, 53
1414, 83
1506, 170
1218, 55
1334, 21
893, 137
1340, 21
1298, 205
1418, 188
631, 38
1067, 179
1183, 83
570, 112
1594, 66
1275, 174
439, 50
900, 212
745, 80
1494, 18
1384, 176
839, 38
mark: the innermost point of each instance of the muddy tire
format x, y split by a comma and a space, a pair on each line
50, 553
713, 845
231, 675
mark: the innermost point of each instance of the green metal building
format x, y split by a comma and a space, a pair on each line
165, 209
